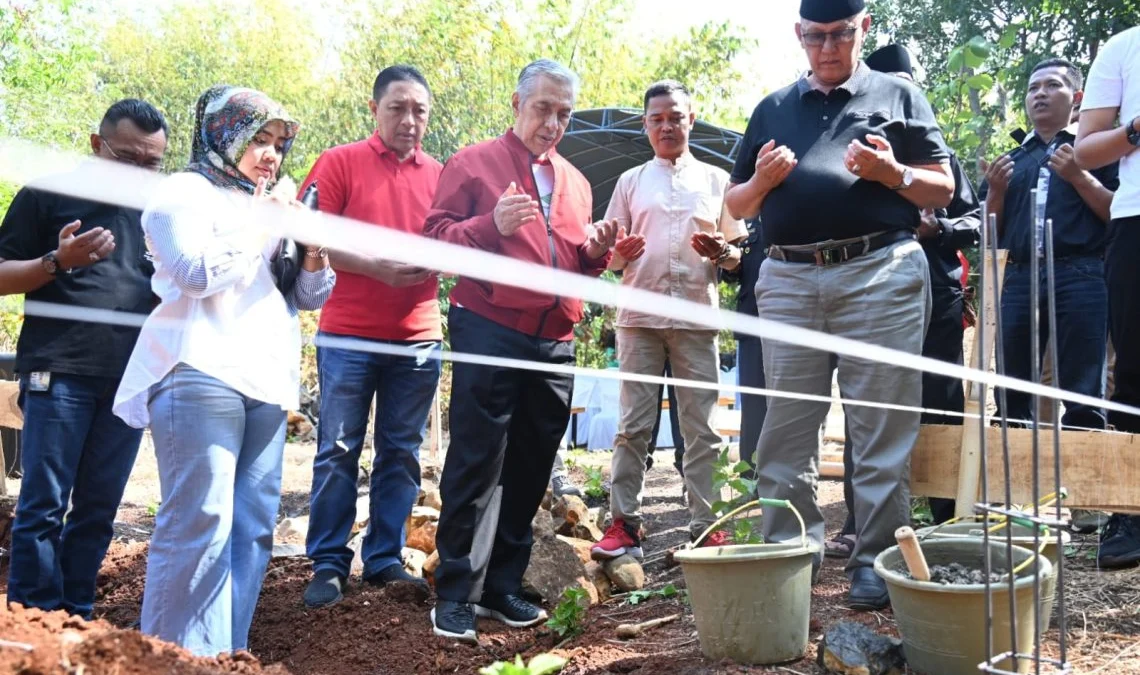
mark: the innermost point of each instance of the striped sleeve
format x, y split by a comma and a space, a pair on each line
199, 262
311, 290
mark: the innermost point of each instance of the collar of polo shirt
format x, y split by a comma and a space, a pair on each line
851, 85
1071, 130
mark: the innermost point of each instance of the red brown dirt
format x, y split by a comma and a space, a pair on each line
372, 633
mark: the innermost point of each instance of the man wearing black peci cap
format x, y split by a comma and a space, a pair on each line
942, 233
839, 166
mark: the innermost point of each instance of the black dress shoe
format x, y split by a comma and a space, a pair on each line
455, 620
396, 576
326, 589
511, 610
868, 590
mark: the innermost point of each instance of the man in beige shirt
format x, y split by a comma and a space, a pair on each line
679, 232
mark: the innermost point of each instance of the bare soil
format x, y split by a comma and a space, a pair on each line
372, 633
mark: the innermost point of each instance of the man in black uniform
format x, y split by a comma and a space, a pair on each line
68, 251
839, 165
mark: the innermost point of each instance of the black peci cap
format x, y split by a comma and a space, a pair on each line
891, 59
826, 11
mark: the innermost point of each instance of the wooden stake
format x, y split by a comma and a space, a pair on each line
628, 631
912, 554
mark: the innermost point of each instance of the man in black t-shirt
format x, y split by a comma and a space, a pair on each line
838, 165
71, 252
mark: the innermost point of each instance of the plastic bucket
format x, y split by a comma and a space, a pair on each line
943, 627
752, 603
1022, 536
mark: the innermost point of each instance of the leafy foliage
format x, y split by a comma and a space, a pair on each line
543, 664
667, 591
569, 617
595, 483
730, 475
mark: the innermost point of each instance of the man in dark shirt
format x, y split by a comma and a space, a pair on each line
1078, 204
749, 349
838, 165
88, 255
942, 232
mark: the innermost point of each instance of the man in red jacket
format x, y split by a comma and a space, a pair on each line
515, 196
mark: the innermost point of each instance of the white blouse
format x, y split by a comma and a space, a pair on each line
220, 311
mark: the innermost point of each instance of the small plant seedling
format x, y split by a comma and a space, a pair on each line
667, 591
152, 509
595, 486
543, 664
570, 614
920, 513
727, 474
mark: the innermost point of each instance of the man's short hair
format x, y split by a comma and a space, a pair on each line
1073, 75
397, 73
531, 72
142, 114
664, 88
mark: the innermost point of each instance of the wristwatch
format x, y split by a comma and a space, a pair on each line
50, 263
907, 179
1133, 134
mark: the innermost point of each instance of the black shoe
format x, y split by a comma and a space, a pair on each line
455, 620
396, 576
1119, 542
649, 460
326, 589
511, 610
868, 590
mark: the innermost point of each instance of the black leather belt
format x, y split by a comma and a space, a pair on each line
840, 253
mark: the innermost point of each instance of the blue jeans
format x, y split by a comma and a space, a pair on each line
73, 449
219, 466
404, 387
1082, 327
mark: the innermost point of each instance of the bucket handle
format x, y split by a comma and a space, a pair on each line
774, 503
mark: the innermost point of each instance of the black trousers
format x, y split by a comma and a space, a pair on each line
943, 342
506, 425
1122, 275
753, 409
674, 424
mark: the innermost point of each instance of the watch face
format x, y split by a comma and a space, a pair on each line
50, 264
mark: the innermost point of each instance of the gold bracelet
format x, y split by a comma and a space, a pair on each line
321, 252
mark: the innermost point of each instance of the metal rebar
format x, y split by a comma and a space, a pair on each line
1051, 301
1003, 415
1035, 401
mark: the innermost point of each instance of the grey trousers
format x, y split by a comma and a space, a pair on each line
693, 355
879, 298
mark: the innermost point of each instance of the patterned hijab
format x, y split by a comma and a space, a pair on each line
226, 120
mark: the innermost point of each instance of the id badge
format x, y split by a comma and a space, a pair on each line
39, 381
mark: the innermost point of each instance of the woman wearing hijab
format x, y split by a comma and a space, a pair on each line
215, 368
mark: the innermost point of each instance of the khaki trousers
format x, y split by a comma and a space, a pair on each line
693, 355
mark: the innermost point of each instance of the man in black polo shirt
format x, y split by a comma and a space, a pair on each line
1078, 203
68, 251
839, 165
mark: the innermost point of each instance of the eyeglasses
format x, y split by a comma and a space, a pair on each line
149, 163
838, 37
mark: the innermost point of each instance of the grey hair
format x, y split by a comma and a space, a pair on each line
529, 75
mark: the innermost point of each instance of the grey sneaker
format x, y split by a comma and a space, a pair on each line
561, 486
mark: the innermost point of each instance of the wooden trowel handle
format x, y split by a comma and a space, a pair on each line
912, 554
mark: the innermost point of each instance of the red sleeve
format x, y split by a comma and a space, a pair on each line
452, 218
331, 188
593, 266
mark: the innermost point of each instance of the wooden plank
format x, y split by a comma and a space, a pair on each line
11, 416
969, 449
1099, 469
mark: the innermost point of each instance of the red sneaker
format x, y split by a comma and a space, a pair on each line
620, 539
717, 538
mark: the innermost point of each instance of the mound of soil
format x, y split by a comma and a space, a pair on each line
47, 643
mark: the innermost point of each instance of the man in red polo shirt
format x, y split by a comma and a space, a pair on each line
516, 196
387, 180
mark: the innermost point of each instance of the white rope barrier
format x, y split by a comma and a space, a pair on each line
91, 178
